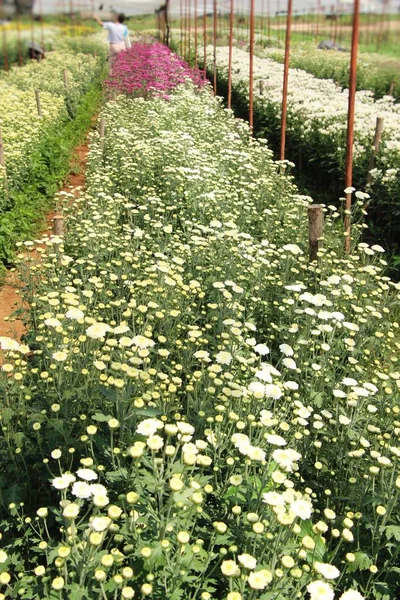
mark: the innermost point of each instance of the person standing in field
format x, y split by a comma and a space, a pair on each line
118, 35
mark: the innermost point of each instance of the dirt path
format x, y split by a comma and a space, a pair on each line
9, 293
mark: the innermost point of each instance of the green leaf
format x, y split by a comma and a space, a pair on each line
76, 592
361, 562
392, 531
101, 418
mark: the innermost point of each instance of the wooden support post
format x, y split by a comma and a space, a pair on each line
315, 229
391, 88
39, 108
261, 87
375, 147
102, 127
102, 131
58, 225
65, 74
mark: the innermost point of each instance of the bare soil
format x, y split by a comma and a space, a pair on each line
10, 299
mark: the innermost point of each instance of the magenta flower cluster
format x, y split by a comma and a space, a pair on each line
150, 70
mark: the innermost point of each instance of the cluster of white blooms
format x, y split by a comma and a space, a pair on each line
238, 404
21, 126
317, 110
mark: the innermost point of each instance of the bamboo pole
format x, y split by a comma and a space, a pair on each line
350, 121
285, 79
315, 229
231, 14
375, 147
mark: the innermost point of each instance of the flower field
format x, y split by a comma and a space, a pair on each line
317, 122
28, 137
197, 412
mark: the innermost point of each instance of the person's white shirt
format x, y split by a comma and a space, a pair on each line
117, 32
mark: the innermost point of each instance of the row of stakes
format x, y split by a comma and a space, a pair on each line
315, 211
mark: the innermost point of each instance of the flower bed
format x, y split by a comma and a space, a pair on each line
203, 413
150, 69
317, 121
375, 72
34, 159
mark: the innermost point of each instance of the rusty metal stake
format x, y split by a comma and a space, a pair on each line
195, 35
215, 47
315, 229
251, 66
205, 37
350, 121
231, 14
285, 79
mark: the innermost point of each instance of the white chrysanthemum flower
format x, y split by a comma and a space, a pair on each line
7, 343
120, 329
326, 570
254, 453
289, 363
302, 509
273, 499
63, 482
286, 349
273, 391
52, 322
100, 524
87, 474
223, 358
149, 427
140, 341
352, 595
261, 349
155, 442
75, 314
257, 389
258, 580
81, 489
276, 440
320, 590
98, 490
97, 331
286, 458
247, 561
293, 249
